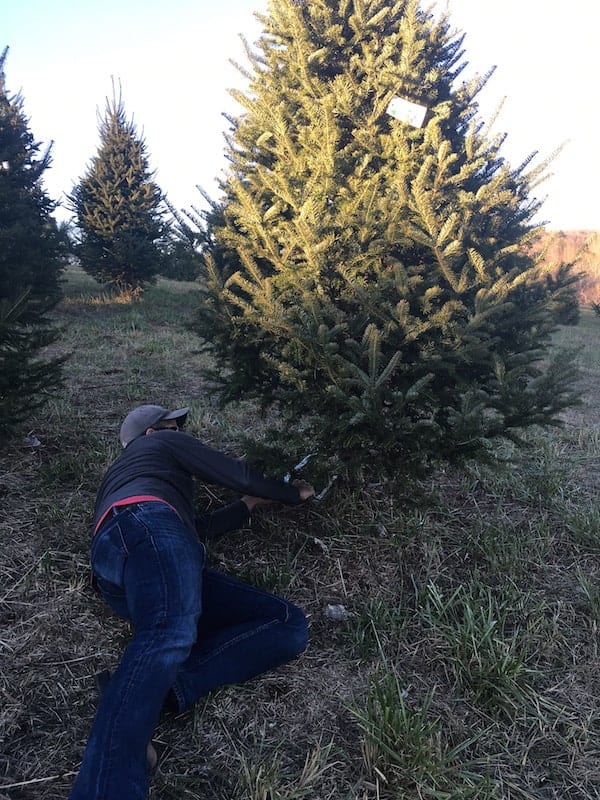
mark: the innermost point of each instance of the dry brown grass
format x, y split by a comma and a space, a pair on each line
523, 533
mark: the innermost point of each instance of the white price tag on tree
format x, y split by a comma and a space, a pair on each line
407, 111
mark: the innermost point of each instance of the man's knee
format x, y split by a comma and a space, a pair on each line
175, 637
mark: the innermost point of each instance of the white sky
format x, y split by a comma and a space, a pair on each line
172, 61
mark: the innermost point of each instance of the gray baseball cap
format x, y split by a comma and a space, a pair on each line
143, 417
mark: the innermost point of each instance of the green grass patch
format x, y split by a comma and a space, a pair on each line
405, 749
483, 642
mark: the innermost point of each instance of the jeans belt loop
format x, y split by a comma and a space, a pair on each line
118, 509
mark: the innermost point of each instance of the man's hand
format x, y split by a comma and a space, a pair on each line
305, 489
252, 502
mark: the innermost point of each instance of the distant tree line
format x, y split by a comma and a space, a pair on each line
580, 248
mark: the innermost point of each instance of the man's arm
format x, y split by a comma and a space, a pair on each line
235, 515
229, 518
215, 467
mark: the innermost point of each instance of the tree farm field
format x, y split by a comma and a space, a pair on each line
454, 620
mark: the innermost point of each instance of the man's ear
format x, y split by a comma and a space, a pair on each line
149, 430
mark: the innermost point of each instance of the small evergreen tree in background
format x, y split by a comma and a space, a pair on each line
182, 260
31, 250
369, 277
118, 207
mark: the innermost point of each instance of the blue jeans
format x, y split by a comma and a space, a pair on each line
194, 629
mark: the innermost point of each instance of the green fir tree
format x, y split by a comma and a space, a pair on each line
31, 250
372, 278
118, 207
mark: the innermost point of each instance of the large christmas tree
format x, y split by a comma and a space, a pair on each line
370, 273
119, 207
30, 263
